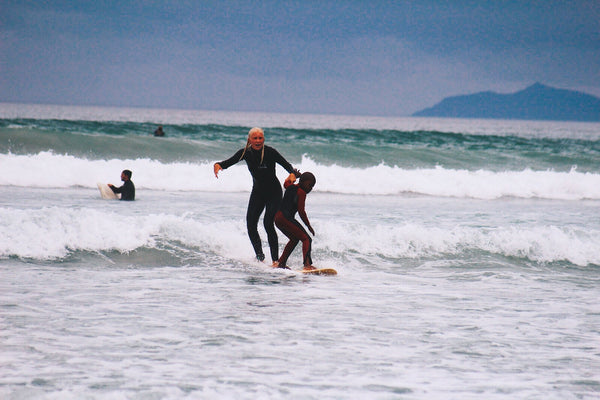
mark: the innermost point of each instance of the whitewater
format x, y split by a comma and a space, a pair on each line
468, 258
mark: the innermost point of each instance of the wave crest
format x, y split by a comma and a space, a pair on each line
56, 233
48, 170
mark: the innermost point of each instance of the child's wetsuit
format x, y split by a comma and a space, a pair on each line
293, 201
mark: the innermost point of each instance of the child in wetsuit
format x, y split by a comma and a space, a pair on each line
293, 201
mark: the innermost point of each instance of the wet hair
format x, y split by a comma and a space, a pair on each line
253, 130
127, 173
307, 176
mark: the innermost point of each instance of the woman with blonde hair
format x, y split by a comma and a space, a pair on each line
266, 190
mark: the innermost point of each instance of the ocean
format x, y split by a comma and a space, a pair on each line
467, 251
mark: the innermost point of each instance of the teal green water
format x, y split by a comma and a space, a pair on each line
345, 147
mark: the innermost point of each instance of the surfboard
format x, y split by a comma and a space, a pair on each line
320, 271
106, 192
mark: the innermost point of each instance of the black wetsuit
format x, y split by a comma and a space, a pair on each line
266, 193
127, 190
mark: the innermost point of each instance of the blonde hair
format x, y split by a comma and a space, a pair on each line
254, 130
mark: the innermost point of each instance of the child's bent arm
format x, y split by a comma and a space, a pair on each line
301, 211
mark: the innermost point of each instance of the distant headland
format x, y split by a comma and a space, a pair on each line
537, 102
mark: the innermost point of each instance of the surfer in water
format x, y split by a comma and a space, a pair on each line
266, 189
159, 131
127, 190
293, 201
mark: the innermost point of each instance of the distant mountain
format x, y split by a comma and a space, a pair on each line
535, 102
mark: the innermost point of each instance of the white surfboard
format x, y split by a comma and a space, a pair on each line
106, 192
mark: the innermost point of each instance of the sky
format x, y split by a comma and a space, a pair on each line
371, 57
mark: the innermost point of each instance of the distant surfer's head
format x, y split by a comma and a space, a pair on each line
256, 138
126, 173
307, 181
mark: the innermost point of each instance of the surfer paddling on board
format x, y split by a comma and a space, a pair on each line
293, 201
127, 190
266, 189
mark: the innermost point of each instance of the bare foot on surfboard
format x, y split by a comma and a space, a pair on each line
276, 265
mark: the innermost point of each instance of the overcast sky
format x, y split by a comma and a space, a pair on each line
345, 57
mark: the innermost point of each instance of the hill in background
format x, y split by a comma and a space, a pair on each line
539, 102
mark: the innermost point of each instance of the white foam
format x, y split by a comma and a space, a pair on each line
544, 244
49, 170
55, 232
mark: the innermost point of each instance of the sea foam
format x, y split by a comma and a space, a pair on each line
57, 232
48, 170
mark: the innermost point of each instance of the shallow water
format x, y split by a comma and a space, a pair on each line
189, 314
468, 258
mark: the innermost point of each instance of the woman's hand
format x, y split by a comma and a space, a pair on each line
289, 180
217, 168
